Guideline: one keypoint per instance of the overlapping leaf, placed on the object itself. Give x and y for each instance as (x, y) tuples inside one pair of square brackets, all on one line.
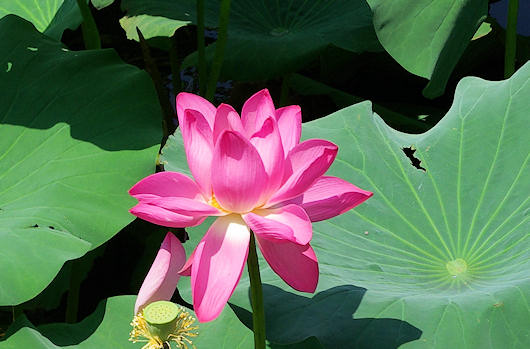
[(69, 151), (99, 4), (50, 17), (109, 326), (427, 37), (269, 39), (443, 249)]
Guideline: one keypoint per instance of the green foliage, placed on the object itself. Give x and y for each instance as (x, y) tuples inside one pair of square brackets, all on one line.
[(440, 250), (305, 86), (427, 37), (108, 328), (267, 40), (99, 4), (150, 26), (437, 258), (50, 17), (70, 149)]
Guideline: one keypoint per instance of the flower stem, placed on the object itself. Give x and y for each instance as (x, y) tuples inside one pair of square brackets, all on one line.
[(511, 38), (162, 93), (175, 62), (200, 47), (222, 34), (256, 296), (88, 27)]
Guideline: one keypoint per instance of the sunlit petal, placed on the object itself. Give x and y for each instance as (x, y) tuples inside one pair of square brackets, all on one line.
[(239, 178), (289, 222), (296, 264), (305, 163), (329, 197), (290, 125), (217, 265), (161, 280)]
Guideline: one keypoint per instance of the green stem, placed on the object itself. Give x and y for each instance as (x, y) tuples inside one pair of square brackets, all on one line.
[(256, 296), (220, 46), (175, 62), (200, 47), (284, 93), (511, 38), (161, 91), (88, 27)]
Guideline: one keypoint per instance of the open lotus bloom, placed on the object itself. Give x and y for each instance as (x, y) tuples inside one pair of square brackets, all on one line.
[(161, 280), (251, 172)]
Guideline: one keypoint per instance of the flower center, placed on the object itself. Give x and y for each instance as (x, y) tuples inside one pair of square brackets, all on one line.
[(214, 203)]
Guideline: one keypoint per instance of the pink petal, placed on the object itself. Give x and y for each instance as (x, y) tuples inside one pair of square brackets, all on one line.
[(296, 264), (167, 184), (290, 124), (186, 268), (184, 206), (226, 118), (239, 176), (288, 222), (217, 265), (255, 110), (198, 143), (190, 101), (161, 280), (304, 164), (163, 217), (268, 143), (329, 197)]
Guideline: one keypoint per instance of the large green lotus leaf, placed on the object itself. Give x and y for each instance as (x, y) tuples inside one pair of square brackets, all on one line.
[(77, 130), (427, 37), (50, 17), (269, 39), (109, 326), (442, 250)]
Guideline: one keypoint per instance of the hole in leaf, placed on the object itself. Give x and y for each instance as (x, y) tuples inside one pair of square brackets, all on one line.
[(34, 226), (409, 152), (51, 227)]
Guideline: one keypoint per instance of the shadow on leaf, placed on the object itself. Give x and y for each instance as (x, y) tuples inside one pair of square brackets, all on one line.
[(329, 317), (86, 95)]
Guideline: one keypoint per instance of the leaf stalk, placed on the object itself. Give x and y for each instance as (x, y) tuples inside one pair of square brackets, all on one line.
[(256, 295), (220, 46), (511, 39), (88, 27)]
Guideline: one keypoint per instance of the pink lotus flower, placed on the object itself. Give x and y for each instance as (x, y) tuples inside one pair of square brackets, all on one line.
[(161, 280), (253, 173)]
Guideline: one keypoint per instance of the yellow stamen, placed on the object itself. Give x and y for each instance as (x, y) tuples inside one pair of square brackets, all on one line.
[(181, 334), (215, 204)]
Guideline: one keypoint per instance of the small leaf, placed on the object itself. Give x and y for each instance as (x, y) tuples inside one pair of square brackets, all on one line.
[(99, 4), (150, 26), (427, 37)]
